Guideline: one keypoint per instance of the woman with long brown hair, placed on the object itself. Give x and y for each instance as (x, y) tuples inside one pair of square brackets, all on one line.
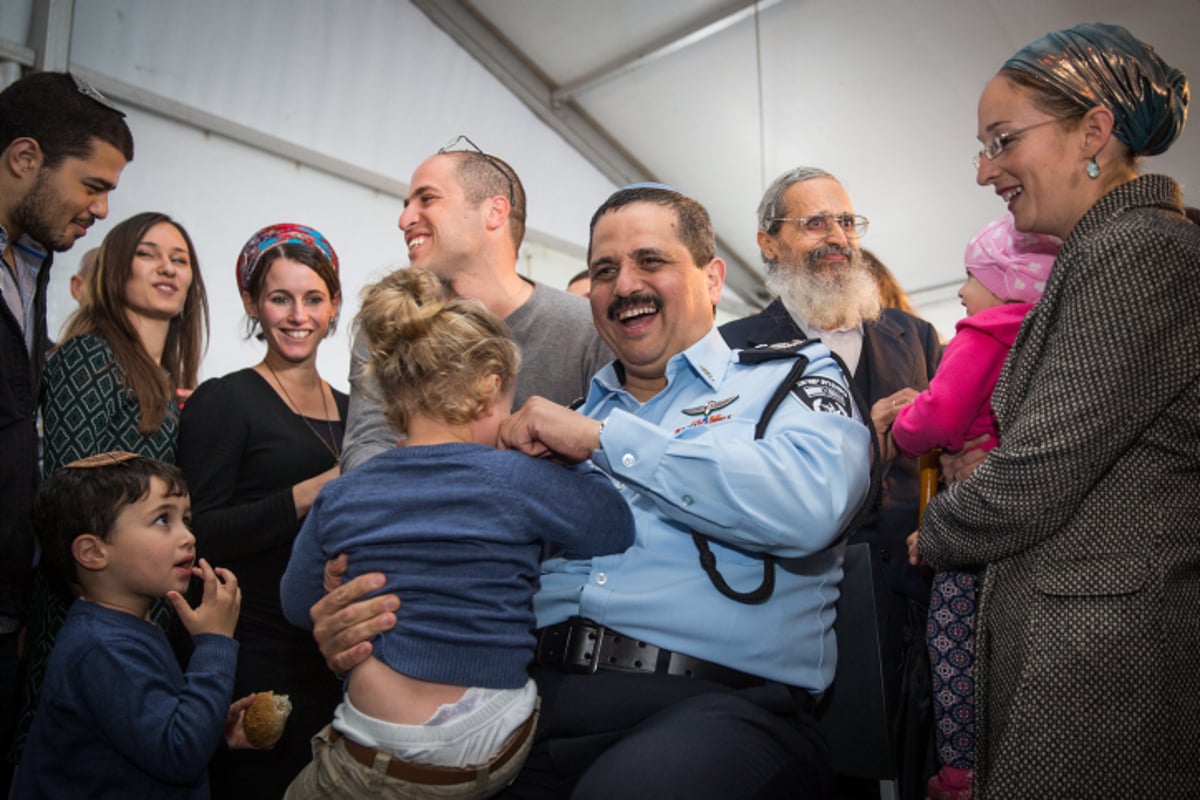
[(111, 384)]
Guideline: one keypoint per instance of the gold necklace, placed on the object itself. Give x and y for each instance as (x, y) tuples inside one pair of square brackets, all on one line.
[(333, 449)]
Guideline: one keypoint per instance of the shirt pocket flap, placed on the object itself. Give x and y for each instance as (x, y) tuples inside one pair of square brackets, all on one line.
[(1093, 577)]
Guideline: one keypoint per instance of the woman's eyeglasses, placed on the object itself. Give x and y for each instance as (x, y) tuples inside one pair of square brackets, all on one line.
[(1002, 140)]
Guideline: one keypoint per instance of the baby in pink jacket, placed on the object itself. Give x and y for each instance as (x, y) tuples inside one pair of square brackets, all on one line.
[(1006, 275)]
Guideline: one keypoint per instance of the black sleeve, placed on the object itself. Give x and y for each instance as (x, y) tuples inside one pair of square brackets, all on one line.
[(215, 433)]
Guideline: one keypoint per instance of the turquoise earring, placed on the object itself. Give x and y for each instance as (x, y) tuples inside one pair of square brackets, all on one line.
[(1093, 169)]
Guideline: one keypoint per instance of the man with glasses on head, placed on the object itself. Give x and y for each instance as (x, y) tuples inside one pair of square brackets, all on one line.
[(62, 150), (809, 238), (463, 220)]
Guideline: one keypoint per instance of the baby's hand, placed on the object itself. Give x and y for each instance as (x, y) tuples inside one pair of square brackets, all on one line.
[(335, 572), (914, 555), (219, 607), (235, 735)]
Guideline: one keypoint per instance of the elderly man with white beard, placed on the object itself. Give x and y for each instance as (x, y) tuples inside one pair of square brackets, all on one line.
[(809, 238)]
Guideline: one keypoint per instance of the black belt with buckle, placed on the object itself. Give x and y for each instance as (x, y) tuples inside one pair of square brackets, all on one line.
[(583, 646)]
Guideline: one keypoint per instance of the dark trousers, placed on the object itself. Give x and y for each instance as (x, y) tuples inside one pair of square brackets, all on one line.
[(9, 682), (617, 735), (912, 717)]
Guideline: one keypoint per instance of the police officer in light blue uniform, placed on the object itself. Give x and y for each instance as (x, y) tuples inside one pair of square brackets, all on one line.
[(687, 460), (686, 666)]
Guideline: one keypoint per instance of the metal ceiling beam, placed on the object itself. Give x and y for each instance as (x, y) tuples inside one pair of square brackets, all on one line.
[(17, 54), (50, 34), (202, 120), (485, 45), (667, 45), (479, 40), (168, 108)]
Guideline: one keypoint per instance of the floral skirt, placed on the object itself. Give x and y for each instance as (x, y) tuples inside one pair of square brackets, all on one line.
[(950, 633)]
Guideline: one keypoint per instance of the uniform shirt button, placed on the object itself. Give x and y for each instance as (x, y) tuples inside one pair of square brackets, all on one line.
[(628, 460), (687, 500), (601, 578)]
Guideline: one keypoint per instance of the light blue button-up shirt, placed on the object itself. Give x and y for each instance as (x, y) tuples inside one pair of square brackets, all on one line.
[(687, 459), (18, 289)]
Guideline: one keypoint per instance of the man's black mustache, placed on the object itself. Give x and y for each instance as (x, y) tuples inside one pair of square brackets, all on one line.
[(632, 301)]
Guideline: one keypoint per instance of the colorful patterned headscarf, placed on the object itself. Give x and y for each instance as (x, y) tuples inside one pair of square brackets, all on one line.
[(1105, 65), (1011, 264), (272, 235)]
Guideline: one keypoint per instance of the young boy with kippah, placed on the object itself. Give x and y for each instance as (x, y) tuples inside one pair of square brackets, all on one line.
[(117, 716)]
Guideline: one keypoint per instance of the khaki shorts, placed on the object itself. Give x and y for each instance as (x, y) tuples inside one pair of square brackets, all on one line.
[(334, 773)]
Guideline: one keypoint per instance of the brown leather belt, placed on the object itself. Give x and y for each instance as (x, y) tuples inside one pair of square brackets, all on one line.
[(432, 775), (583, 646)]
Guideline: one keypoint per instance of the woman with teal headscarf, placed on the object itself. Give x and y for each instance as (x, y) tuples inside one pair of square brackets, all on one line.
[(1085, 521)]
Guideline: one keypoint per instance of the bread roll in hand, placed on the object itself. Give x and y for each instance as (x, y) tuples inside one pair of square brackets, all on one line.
[(265, 718)]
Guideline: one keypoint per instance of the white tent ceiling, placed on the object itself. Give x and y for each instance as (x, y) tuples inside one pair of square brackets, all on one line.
[(246, 111), (718, 97)]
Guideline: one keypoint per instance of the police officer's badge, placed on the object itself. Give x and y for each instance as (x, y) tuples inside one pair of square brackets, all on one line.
[(707, 413), (823, 394), (709, 407)]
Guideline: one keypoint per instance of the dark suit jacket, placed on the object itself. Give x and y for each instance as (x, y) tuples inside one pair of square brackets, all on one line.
[(899, 350), (20, 376)]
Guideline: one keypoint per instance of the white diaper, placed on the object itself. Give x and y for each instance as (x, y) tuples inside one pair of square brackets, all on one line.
[(460, 734)]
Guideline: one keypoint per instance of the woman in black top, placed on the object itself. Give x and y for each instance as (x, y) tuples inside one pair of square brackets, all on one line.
[(257, 446)]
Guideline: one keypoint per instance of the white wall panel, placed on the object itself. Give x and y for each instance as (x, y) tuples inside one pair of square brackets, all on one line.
[(14, 19), (371, 82), (203, 182), (885, 98), (222, 192)]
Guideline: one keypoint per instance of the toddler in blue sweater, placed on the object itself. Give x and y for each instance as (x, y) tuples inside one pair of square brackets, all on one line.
[(117, 717), (444, 706)]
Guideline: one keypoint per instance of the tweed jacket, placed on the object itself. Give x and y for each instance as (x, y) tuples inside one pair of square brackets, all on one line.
[(1086, 520)]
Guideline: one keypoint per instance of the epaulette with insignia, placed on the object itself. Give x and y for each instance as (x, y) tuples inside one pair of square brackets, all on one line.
[(778, 351)]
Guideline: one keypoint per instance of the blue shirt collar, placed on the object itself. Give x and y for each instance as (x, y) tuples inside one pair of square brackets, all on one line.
[(708, 359), (26, 245)]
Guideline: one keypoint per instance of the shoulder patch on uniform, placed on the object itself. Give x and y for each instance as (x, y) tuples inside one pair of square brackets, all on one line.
[(823, 394)]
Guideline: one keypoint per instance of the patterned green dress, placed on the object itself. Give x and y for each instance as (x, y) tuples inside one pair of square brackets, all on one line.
[(86, 409)]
